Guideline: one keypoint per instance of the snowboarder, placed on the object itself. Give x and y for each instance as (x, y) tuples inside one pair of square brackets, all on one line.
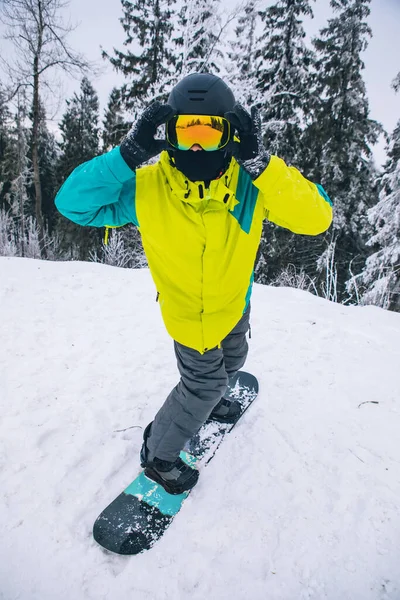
[(199, 210)]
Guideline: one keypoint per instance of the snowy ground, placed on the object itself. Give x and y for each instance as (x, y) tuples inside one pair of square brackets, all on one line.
[(301, 502)]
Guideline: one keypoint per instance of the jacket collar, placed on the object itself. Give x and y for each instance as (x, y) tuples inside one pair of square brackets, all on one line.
[(196, 192)]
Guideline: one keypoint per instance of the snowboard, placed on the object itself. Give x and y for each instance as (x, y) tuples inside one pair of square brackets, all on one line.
[(140, 515)]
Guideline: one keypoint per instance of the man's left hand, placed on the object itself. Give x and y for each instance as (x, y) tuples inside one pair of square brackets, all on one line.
[(249, 151)]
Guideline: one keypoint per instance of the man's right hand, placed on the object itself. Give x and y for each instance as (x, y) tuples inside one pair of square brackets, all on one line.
[(139, 144)]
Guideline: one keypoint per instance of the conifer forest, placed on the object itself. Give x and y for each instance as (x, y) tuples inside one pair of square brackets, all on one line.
[(315, 113)]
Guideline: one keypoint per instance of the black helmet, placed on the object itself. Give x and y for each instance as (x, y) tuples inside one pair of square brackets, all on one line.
[(201, 94)]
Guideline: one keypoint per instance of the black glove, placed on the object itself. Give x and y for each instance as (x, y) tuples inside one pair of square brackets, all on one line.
[(249, 152), (139, 144)]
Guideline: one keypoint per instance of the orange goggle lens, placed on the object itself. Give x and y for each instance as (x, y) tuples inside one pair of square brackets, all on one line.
[(211, 133)]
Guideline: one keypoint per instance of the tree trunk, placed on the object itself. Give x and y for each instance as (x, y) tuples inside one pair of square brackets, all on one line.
[(21, 157), (35, 159), (35, 131)]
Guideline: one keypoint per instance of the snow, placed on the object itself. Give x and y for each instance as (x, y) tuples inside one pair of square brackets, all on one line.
[(300, 502)]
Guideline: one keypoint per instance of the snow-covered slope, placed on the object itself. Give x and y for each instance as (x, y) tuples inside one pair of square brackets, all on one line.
[(302, 500)]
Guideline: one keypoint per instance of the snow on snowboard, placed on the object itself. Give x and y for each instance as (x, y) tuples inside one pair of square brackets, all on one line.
[(139, 516)]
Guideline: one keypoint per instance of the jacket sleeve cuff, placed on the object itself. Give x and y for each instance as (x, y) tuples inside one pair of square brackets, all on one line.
[(270, 176), (118, 166)]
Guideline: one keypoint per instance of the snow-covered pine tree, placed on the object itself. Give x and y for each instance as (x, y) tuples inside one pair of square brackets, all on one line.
[(148, 62), (7, 152), (79, 130), (80, 142), (340, 135), (380, 279), (18, 167), (283, 75), (283, 64), (241, 65), (114, 124), (199, 38), (48, 157)]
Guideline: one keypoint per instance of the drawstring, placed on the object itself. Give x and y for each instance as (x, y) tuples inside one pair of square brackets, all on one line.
[(106, 235)]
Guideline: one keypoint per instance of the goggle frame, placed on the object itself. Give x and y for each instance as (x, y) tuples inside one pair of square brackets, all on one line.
[(172, 135)]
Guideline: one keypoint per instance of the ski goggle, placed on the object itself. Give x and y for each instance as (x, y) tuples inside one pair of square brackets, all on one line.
[(211, 133)]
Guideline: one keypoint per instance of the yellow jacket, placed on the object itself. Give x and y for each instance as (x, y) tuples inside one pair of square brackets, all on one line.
[(200, 243)]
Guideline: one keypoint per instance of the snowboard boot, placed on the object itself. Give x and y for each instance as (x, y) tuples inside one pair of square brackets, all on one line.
[(226, 411), (175, 477)]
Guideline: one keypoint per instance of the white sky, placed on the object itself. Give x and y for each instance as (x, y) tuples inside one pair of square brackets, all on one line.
[(99, 26)]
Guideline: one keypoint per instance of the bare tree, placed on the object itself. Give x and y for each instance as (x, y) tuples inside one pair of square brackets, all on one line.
[(39, 37)]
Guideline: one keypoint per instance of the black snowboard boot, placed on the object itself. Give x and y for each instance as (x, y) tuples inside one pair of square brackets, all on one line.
[(226, 411), (175, 477)]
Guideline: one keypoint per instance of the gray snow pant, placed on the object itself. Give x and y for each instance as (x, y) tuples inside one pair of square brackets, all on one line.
[(204, 380)]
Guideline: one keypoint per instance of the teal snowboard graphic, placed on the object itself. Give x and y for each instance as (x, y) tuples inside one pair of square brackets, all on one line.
[(139, 516)]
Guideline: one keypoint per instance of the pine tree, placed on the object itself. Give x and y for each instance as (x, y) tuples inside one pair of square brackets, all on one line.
[(241, 68), (114, 124), (79, 130), (283, 75), (7, 154), (150, 67), (381, 275), (18, 175), (283, 64), (200, 30), (80, 143), (47, 157), (340, 135)]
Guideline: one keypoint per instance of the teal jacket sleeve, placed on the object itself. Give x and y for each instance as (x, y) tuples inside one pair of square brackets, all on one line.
[(100, 192)]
